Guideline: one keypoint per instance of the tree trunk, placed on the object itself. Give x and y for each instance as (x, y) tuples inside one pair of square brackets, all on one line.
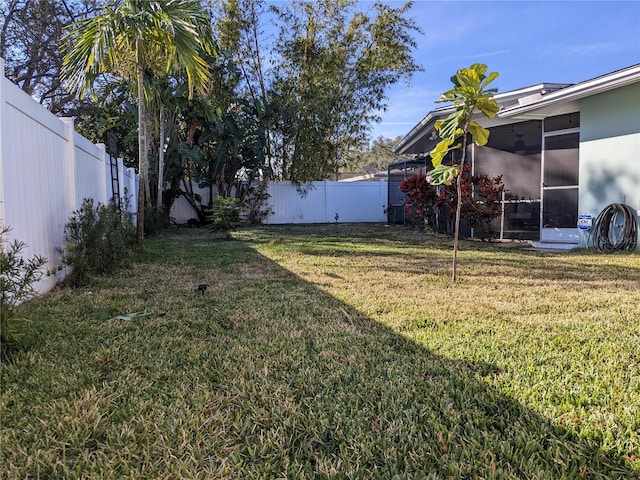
[(266, 142), (142, 155), (159, 205), (456, 234)]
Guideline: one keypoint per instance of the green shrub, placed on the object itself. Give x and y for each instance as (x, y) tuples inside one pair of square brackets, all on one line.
[(98, 240), (153, 220), (225, 214), (17, 277)]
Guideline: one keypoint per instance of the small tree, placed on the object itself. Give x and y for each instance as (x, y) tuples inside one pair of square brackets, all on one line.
[(468, 96), (423, 199), (225, 215)]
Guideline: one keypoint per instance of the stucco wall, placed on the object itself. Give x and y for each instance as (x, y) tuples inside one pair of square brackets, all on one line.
[(610, 151)]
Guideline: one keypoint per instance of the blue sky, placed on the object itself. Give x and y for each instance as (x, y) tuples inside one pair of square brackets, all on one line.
[(526, 42)]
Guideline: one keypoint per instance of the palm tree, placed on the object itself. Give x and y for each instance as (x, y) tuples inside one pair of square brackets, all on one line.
[(133, 37)]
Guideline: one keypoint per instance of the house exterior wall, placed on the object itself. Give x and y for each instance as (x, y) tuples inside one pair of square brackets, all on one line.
[(610, 151)]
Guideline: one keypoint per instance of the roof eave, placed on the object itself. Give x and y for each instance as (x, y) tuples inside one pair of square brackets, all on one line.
[(575, 92), (415, 133), (423, 126)]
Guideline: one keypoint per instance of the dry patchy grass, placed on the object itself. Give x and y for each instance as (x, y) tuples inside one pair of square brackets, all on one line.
[(316, 355)]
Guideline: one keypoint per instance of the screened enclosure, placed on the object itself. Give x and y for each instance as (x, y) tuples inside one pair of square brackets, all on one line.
[(514, 152), (397, 200)]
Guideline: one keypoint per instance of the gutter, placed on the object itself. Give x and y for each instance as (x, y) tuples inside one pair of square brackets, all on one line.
[(577, 91)]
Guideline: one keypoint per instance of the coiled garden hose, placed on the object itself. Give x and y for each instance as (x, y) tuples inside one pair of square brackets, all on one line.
[(614, 229)]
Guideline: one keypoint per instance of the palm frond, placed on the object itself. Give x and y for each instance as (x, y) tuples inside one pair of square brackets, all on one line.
[(169, 35)]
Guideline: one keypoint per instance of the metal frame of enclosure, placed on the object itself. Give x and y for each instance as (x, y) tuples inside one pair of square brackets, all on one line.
[(396, 200), (514, 151)]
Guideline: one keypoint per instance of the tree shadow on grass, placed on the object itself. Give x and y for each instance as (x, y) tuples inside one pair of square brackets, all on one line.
[(270, 377), (583, 266), (365, 402), (326, 391)]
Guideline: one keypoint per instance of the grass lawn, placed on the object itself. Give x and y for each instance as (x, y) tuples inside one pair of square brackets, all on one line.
[(316, 355)]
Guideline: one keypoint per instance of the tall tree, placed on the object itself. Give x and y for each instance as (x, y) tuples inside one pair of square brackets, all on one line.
[(113, 110), (129, 38), (372, 157), (240, 34), (30, 39), (334, 65)]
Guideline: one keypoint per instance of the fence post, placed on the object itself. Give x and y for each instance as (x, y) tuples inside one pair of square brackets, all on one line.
[(132, 189), (326, 216), (502, 219), (103, 174), (123, 186), (70, 165), (2, 107)]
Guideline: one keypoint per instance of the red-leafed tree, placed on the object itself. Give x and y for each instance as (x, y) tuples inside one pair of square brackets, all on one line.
[(481, 200), (422, 199)]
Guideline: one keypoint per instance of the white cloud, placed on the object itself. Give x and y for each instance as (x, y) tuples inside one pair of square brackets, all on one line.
[(587, 49), (474, 56)]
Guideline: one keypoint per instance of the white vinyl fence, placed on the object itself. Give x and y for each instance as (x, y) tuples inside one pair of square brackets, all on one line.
[(351, 201), (46, 170)]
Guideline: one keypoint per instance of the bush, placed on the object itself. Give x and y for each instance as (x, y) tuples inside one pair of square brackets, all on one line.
[(225, 214), (17, 277), (481, 200), (424, 200), (153, 220), (98, 240)]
